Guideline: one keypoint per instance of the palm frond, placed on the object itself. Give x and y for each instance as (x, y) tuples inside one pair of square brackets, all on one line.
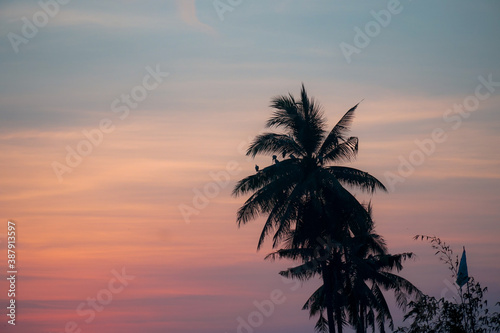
[(345, 151), (338, 132), (321, 325), (288, 169), (272, 143), (316, 302), (383, 310), (301, 272), (292, 254), (264, 200), (286, 114), (275, 216), (356, 178)]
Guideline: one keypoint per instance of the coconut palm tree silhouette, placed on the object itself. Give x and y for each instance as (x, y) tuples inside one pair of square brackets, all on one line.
[(361, 271), (303, 195)]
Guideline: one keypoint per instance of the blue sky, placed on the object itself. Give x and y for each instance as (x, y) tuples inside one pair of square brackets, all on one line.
[(222, 75)]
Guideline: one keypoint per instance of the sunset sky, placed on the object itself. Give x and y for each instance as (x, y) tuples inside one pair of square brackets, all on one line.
[(172, 92)]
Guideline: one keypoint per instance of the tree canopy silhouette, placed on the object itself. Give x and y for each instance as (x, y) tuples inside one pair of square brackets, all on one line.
[(305, 199), (295, 191)]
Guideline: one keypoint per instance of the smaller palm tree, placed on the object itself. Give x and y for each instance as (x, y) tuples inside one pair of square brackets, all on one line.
[(360, 268)]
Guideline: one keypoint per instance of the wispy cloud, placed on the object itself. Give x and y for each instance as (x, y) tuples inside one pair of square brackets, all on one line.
[(187, 11)]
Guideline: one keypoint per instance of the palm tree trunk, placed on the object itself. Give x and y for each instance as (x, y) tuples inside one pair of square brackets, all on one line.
[(327, 282), (361, 320), (337, 307), (338, 314)]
